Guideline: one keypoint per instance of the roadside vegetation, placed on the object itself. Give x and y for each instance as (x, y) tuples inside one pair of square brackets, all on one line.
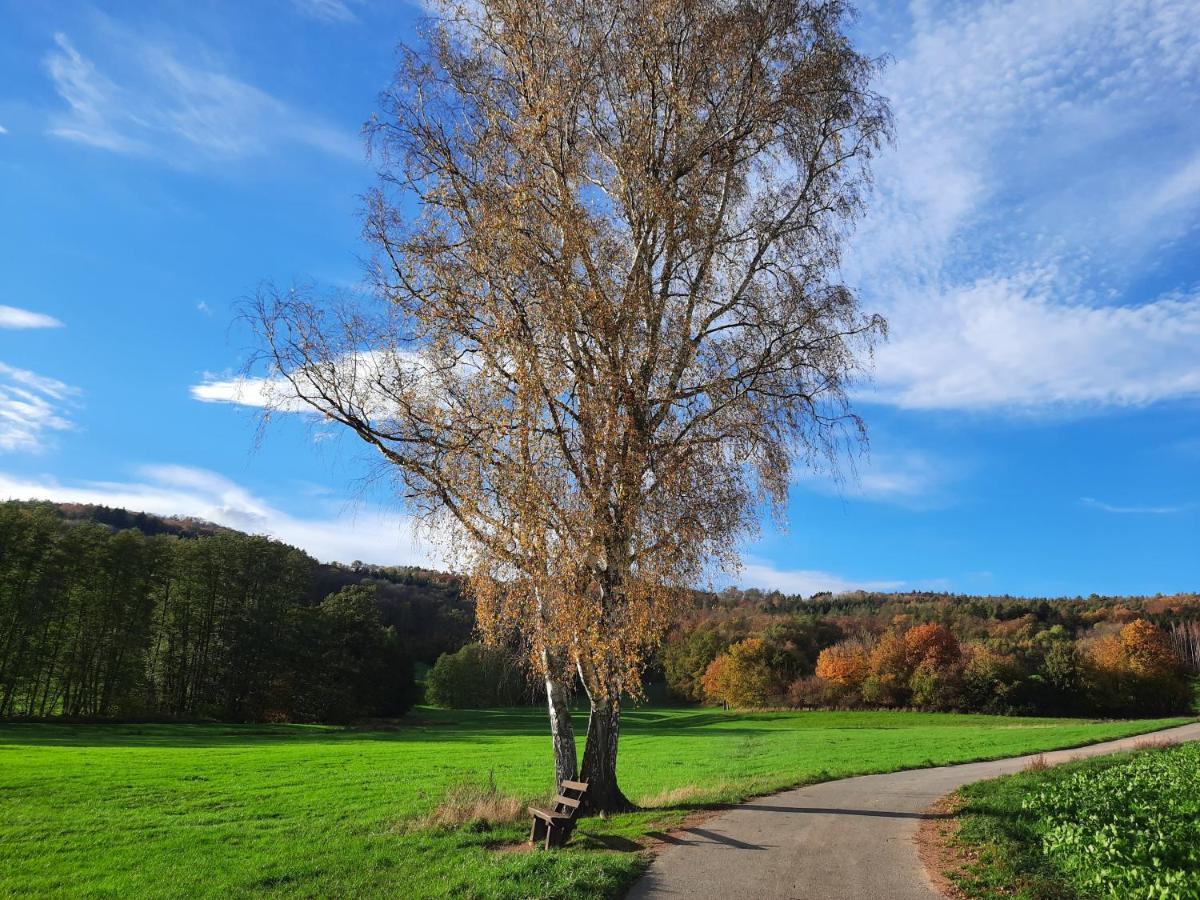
[(433, 807), (1125, 826)]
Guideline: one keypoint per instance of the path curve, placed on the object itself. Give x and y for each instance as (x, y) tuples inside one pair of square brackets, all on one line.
[(852, 839)]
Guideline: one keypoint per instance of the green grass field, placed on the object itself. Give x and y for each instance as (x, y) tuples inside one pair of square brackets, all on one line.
[(1123, 826), (212, 810)]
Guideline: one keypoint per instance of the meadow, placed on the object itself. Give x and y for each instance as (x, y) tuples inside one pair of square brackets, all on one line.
[(1123, 826), (212, 810)]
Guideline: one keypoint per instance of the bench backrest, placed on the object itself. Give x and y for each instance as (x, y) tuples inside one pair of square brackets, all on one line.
[(569, 797)]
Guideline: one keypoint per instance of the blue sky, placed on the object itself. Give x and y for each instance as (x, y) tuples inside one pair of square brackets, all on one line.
[(1033, 241)]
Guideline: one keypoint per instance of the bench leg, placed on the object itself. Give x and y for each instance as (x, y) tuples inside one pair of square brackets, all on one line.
[(539, 828), (551, 835)]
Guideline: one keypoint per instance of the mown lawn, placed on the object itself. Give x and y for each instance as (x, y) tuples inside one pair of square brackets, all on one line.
[(1124, 826), (218, 810)]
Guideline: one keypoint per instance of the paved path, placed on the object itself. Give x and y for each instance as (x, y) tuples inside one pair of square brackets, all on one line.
[(843, 840)]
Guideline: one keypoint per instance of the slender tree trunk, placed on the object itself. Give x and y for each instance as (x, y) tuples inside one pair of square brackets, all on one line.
[(562, 731), (599, 768)]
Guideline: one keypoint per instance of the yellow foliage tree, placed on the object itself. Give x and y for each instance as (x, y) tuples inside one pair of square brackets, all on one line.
[(741, 676), (610, 315)]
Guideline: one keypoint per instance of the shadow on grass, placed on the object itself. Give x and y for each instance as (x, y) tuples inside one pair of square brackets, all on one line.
[(421, 726), (588, 841)]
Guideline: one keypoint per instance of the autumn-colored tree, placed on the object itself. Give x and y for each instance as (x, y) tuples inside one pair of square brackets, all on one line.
[(890, 671), (610, 319), (686, 658), (932, 644), (713, 681), (1137, 671), (846, 664), (741, 676), (1148, 650)]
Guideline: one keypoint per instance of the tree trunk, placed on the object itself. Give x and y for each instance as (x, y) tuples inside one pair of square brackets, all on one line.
[(600, 759), (562, 731)]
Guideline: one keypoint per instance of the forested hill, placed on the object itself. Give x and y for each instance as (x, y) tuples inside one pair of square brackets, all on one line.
[(106, 612), (119, 519), (425, 606), (112, 613)]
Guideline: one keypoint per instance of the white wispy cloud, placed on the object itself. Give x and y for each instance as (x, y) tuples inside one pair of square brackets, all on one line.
[(142, 98), (903, 477), (32, 408), (240, 390), (1046, 156), (366, 533), (767, 576), (367, 370), (326, 10), (3, 130), (1134, 510), (1016, 342), (14, 317)]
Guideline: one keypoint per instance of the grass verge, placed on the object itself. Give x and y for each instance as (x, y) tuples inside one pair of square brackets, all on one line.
[(1125, 826)]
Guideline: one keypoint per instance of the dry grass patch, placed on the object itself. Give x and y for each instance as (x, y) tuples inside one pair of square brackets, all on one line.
[(1037, 764), (1155, 744), (470, 802), (688, 795)]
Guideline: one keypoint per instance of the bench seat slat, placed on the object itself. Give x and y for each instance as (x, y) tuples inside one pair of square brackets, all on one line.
[(548, 816)]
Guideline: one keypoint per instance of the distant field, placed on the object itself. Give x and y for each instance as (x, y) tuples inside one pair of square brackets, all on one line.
[(216, 810)]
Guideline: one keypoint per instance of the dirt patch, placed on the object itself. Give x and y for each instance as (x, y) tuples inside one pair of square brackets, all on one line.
[(938, 850)]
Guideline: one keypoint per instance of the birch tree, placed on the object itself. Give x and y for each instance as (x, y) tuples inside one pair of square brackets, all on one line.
[(608, 317)]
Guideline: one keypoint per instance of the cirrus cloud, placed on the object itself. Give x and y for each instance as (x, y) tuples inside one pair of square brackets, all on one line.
[(144, 99), (1047, 164), (15, 317), (32, 407)]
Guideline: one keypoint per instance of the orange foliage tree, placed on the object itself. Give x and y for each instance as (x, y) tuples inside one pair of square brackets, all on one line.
[(932, 644), (846, 664)]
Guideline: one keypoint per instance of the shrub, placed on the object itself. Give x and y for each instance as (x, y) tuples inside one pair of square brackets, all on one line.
[(475, 677), (934, 688), (816, 692)]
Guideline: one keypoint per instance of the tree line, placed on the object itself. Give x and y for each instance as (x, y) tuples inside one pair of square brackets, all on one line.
[(1101, 656), (101, 623)]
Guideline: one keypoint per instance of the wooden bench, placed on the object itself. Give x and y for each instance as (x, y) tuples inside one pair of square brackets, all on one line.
[(556, 825)]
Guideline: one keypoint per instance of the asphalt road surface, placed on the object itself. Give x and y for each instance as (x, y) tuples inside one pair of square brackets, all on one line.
[(851, 839)]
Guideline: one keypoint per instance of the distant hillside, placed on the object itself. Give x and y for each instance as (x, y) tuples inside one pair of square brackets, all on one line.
[(119, 519), (425, 607)]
